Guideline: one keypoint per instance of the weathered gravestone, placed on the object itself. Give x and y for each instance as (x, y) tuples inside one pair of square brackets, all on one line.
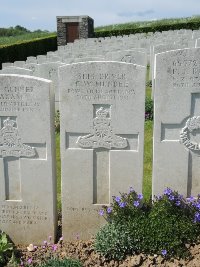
[(33, 67), (27, 159), (50, 71), (176, 161), (16, 70), (135, 56), (102, 132)]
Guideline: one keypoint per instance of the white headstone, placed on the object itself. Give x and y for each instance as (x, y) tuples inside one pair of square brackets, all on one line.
[(33, 67), (50, 71), (41, 59), (16, 70), (6, 64), (176, 161), (19, 64), (31, 60), (129, 56), (27, 159), (102, 132)]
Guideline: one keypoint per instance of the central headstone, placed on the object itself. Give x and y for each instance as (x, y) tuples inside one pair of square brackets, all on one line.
[(102, 131)]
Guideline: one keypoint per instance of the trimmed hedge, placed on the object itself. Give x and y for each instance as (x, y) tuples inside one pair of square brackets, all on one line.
[(22, 50), (192, 25)]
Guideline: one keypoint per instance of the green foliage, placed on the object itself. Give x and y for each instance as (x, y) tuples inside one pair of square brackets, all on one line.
[(58, 171), (148, 26), (10, 40), (13, 31), (163, 226), (61, 263), (20, 51), (57, 121), (148, 108), (6, 248), (113, 240), (148, 155)]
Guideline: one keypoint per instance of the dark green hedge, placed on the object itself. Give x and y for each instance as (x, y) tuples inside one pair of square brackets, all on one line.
[(20, 51), (193, 25)]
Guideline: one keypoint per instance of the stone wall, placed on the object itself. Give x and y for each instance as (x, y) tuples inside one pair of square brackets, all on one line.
[(61, 32), (86, 27)]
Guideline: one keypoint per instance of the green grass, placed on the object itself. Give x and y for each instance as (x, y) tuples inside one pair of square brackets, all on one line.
[(23, 37), (139, 24), (58, 171), (148, 150)]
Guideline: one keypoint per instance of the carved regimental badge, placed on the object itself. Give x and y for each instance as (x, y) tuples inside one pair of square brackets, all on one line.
[(10, 142), (102, 135), (192, 124)]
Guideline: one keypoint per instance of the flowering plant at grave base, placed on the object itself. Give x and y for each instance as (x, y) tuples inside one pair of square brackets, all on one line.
[(124, 205), (163, 226)]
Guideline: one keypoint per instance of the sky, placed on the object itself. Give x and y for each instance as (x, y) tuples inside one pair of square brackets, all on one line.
[(41, 14)]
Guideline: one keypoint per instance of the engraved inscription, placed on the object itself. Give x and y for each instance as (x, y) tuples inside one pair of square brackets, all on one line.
[(102, 135), (10, 142), (185, 73), (52, 73), (191, 125), (101, 86), (22, 214), (19, 99)]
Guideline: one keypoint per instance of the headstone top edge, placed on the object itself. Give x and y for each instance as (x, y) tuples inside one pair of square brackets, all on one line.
[(27, 76)]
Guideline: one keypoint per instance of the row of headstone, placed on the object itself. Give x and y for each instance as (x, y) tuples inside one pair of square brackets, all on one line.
[(101, 46), (102, 133), (102, 139), (49, 70), (48, 65)]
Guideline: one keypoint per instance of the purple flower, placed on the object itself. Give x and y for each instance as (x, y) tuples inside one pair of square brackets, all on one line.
[(178, 203), (131, 189), (197, 205), (118, 199), (164, 252), (171, 197), (190, 199), (45, 242), (136, 203), (109, 210), (197, 217), (50, 237), (29, 261), (140, 196), (122, 204), (180, 196), (21, 263), (159, 197), (101, 212), (167, 191), (54, 247)]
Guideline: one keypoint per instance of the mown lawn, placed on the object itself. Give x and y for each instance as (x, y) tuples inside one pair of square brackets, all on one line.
[(23, 37)]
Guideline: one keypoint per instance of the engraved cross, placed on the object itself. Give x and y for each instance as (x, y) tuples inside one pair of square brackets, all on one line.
[(187, 132), (102, 140)]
